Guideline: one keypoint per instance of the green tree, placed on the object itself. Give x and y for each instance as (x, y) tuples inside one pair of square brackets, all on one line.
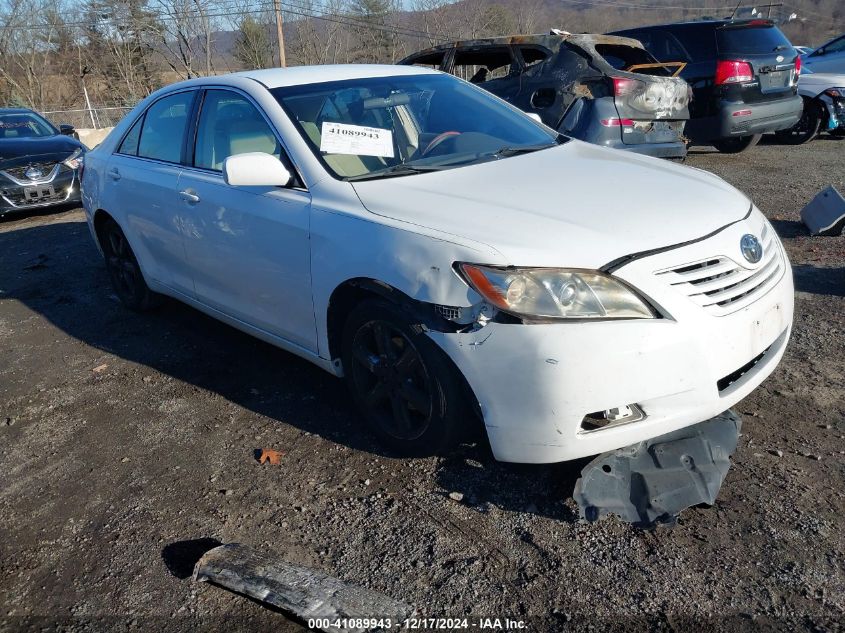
[(252, 44)]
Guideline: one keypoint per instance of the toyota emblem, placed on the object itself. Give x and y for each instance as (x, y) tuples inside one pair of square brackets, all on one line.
[(751, 248)]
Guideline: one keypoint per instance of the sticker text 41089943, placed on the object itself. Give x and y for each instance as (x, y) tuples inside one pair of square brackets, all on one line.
[(340, 138)]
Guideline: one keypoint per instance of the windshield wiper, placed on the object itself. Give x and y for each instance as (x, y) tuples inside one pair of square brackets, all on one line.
[(402, 169), (521, 149)]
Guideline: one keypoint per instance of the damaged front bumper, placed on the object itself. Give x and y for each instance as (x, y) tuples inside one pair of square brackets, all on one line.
[(539, 386), (653, 481)]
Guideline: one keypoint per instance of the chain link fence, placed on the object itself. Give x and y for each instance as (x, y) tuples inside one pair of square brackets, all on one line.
[(94, 117)]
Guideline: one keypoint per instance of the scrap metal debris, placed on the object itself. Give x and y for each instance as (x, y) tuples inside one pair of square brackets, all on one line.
[(304, 592), (825, 214), (653, 481), (269, 455)]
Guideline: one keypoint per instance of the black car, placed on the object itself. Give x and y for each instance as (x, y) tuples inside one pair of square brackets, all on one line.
[(597, 88), (39, 163), (743, 73)]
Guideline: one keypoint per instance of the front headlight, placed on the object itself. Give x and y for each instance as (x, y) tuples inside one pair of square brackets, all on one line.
[(836, 93), (556, 293), (74, 160)]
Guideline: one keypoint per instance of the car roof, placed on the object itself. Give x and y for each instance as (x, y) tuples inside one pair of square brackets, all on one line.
[(691, 23), (15, 110), (582, 40), (303, 75)]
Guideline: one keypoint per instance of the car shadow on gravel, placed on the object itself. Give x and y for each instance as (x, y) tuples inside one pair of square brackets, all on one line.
[(820, 280), (56, 271), (481, 482)]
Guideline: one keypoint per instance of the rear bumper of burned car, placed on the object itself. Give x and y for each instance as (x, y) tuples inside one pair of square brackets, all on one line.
[(58, 189)]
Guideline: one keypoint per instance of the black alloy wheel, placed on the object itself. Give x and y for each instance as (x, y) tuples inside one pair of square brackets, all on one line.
[(403, 384), (737, 144), (124, 271), (806, 129)]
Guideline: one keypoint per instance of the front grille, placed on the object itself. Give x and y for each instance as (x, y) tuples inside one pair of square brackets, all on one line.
[(19, 172), (721, 286), (449, 313)]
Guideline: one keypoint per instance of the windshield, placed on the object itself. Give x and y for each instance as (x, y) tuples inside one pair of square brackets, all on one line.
[(393, 126), (24, 125)]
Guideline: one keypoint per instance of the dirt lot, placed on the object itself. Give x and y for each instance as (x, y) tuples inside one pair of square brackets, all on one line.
[(123, 435)]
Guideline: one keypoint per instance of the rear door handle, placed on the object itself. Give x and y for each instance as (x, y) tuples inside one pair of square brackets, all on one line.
[(115, 175), (189, 197)]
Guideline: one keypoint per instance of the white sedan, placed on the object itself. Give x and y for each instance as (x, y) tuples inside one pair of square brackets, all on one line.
[(447, 255)]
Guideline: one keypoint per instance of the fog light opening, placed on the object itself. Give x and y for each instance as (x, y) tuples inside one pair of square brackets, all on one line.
[(615, 416)]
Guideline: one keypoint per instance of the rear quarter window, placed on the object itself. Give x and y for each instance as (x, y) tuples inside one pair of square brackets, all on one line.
[(751, 40)]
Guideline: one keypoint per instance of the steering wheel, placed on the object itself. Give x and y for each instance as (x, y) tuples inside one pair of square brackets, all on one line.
[(437, 140)]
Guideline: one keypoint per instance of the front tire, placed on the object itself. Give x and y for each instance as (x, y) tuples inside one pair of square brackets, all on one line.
[(124, 271), (737, 144), (406, 389), (807, 127)]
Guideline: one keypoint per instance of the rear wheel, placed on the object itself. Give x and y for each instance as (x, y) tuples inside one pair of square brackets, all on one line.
[(807, 127), (124, 271), (737, 144), (406, 389)]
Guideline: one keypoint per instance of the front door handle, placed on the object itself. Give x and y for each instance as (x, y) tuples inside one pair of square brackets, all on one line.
[(115, 175), (190, 198)]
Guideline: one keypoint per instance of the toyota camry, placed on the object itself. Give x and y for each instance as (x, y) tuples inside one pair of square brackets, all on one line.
[(447, 255)]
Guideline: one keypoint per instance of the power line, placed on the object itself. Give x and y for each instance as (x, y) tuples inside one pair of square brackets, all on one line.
[(229, 11)]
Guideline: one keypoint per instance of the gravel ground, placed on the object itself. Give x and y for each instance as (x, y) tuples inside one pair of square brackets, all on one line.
[(123, 436)]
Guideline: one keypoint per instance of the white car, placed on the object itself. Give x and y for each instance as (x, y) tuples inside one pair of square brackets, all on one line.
[(446, 254), (824, 108)]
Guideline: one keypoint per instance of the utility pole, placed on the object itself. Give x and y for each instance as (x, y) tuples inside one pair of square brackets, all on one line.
[(280, 36)]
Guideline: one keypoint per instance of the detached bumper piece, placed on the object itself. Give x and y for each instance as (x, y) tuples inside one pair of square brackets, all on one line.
[(825, 214), (306, 593), (653, 481)]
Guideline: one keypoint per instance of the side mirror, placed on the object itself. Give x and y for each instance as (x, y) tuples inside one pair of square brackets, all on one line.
[(535, 116), (68, 130), (255, 169)]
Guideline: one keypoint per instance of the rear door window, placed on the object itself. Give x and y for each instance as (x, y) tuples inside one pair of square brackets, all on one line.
[(163, 131), (485, 64), (751, 40), (129, 146), (533, 55)]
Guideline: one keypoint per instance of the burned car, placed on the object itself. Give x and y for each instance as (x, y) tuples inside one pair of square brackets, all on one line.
[(602, 89)]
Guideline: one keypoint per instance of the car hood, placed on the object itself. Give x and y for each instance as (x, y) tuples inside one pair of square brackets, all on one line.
[(576, 205), (16, 151)]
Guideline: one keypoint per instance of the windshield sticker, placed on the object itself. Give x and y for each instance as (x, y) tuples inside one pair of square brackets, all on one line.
[(340, 138)]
